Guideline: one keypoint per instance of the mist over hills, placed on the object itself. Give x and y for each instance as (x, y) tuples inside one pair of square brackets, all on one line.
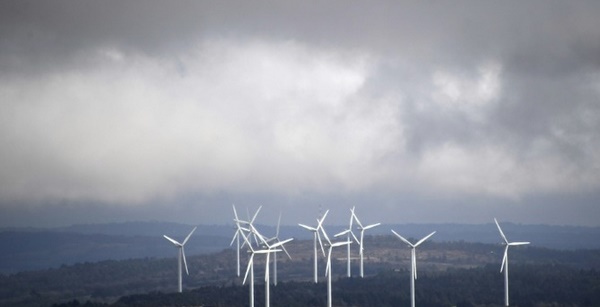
[(23, 249)]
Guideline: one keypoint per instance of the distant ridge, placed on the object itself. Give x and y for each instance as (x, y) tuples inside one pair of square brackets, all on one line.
[(23, 249)]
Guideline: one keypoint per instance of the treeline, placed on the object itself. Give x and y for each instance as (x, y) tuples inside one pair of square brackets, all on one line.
[(107, 281), (531, 285)]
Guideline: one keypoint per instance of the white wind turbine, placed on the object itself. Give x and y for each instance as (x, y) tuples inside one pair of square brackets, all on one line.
[(251, 229), (413, 269), (361, 242), (238, 232), (276, 238), (181, 255), (271, 249), (348, 232), (250, 268), (505, 260), (329, 268), (316, 236)]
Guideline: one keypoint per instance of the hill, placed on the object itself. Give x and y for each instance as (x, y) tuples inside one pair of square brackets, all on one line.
[(107, 281), (23, 249)]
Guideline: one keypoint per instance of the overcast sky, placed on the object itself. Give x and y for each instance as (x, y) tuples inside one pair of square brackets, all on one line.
[(424, 111)]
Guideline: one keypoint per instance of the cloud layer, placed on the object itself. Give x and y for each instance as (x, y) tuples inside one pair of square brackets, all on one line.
[(129, 104)]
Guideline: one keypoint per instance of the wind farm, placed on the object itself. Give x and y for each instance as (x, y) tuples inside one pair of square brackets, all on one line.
[(124, 125), (448, 271), (248, 236)]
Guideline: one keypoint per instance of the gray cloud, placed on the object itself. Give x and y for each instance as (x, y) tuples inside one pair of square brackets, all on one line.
[(470, 104)]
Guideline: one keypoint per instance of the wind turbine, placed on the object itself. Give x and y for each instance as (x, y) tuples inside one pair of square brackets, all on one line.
[(272, 249), (276, 238), (362, 235), (316, 236), (505, 260), (238, 232), (181, 255), (348, 232), (250, 268), (328, 268), (251, 229), (413, 268)]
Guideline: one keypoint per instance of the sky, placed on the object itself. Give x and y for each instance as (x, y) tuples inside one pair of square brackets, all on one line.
[(412, 111)]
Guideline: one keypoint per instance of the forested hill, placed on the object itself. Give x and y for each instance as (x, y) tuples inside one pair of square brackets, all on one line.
[(533, 285), (23, 249), (449, 272)]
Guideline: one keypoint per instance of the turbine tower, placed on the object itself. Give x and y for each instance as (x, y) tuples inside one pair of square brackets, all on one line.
[(361, 243), (505, 260), (413, 268), (238, 232), (348, 232), (328, 268), (250, 269), (271, 249), (181, 255), (276, 238), (316, 236)]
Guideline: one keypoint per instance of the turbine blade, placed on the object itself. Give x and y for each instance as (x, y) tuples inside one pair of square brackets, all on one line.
[(336, 244), (320, 243), (423, 240), (247, 241), (356, 239), (280, 243), (504, 259), (255, 214), (324, 216), (278, 224), (172, 241), (238, 221), (342, 233), (237, 233), (257, 235), (189, 235), (356, 219), (250, 263), (371, 226), (500, 229), (266, 251), (184, 262), (286, 252), (403, 239), (518, 243), (307, 227), (325, 235), (234, 212)]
